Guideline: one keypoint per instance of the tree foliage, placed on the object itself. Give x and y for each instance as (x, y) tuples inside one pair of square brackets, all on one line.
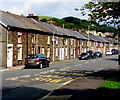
[(108, 12)]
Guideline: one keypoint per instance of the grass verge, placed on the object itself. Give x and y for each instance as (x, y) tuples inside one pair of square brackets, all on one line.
[(110, 90)]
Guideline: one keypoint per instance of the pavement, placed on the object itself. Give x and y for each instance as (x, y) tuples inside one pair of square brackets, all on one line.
[(80, 89)]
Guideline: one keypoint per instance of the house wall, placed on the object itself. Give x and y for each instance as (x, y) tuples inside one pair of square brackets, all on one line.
[(3, 47), (39, 42), (13, 39)]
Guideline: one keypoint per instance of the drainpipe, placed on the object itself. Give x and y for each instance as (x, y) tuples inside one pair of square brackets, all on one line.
[(7, 44), (53, 40), (27, 44)]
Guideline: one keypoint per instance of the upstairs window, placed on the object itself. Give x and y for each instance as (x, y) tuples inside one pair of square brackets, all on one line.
[(33, 38), (19, 37), (48, 40), (56, 38), (66, 42), (71, 41)]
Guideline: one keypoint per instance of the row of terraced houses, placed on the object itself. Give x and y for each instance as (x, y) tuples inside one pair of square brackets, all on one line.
[(21, 36)]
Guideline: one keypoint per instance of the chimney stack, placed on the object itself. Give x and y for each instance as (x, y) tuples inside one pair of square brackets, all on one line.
[(33, 16), (30, 14)]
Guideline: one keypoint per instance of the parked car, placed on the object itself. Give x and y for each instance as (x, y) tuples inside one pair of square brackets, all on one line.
[(98, 54), (36, 60), (108, 52), (92, 54), (84, 56), (115, 51)]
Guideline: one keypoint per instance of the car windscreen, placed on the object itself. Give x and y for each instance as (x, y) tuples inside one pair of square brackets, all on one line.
[(83, 54), (31, 56)]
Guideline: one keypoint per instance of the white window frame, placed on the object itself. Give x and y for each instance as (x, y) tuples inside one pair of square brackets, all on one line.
[(56, 38), (71, 41), (19, 52), (48, 52), (66, 51), (48, 40), (66, 42), (19, 37), (71, 51), (33, 37), (43, 50), (56, 52)]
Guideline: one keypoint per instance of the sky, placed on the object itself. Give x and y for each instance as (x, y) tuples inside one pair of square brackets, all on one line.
[(52, 8)]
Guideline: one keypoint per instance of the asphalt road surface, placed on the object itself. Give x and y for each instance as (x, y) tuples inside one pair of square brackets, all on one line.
[(31, 84)]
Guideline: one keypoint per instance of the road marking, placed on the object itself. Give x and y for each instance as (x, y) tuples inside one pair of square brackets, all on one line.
[(86, 62), (2, 70), (55, 78), (62, 69), (15, 78), (77, 65), (67, 82), (25, 76), (47, 71), (93, 61)]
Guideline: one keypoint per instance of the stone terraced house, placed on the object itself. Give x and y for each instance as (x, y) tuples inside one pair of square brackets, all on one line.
[(21, 36)]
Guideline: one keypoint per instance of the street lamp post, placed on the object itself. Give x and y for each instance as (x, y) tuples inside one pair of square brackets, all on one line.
[(89, 37), (53, 40)]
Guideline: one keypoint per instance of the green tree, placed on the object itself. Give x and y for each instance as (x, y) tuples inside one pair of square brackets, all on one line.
[(44, 20), (102, 11), (107, 12)]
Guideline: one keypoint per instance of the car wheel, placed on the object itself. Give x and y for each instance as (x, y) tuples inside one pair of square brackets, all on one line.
[(48, 65), (25, 67), (41, 66)]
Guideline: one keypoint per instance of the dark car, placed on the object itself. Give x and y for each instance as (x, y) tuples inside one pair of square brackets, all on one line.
[(115, 51), (84, 56), (36, 61), (92, 54), (98, 54)]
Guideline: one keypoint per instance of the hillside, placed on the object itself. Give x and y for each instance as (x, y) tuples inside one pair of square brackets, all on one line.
[(76, 23), (45, 17)]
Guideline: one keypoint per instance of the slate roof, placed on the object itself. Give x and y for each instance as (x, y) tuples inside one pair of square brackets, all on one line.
[(62, 31), (90, 38), (104, 39), (15, 21), (12, 20), (111, 40)]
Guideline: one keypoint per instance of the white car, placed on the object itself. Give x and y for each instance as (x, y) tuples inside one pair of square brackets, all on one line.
[(109, 52)]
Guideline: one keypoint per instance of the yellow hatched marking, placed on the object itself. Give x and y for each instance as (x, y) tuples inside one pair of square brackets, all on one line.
[(47, 76), (88, 72), (56, 80), (36, 74), (47, 80), (15, 78), (23, 80), (66, 82)]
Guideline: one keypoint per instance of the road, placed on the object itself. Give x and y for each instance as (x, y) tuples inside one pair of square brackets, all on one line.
[(30, 84)]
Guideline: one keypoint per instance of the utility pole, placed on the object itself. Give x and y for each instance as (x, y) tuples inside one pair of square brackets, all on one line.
[(89, 37)]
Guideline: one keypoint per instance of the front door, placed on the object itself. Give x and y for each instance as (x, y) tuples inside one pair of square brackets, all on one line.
[(10, 55), (62, 53)]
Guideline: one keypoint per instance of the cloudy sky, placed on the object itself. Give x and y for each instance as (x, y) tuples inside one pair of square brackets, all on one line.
[(53, 8)]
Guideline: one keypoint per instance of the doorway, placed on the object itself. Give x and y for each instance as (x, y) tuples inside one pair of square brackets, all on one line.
[(9, 55)]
